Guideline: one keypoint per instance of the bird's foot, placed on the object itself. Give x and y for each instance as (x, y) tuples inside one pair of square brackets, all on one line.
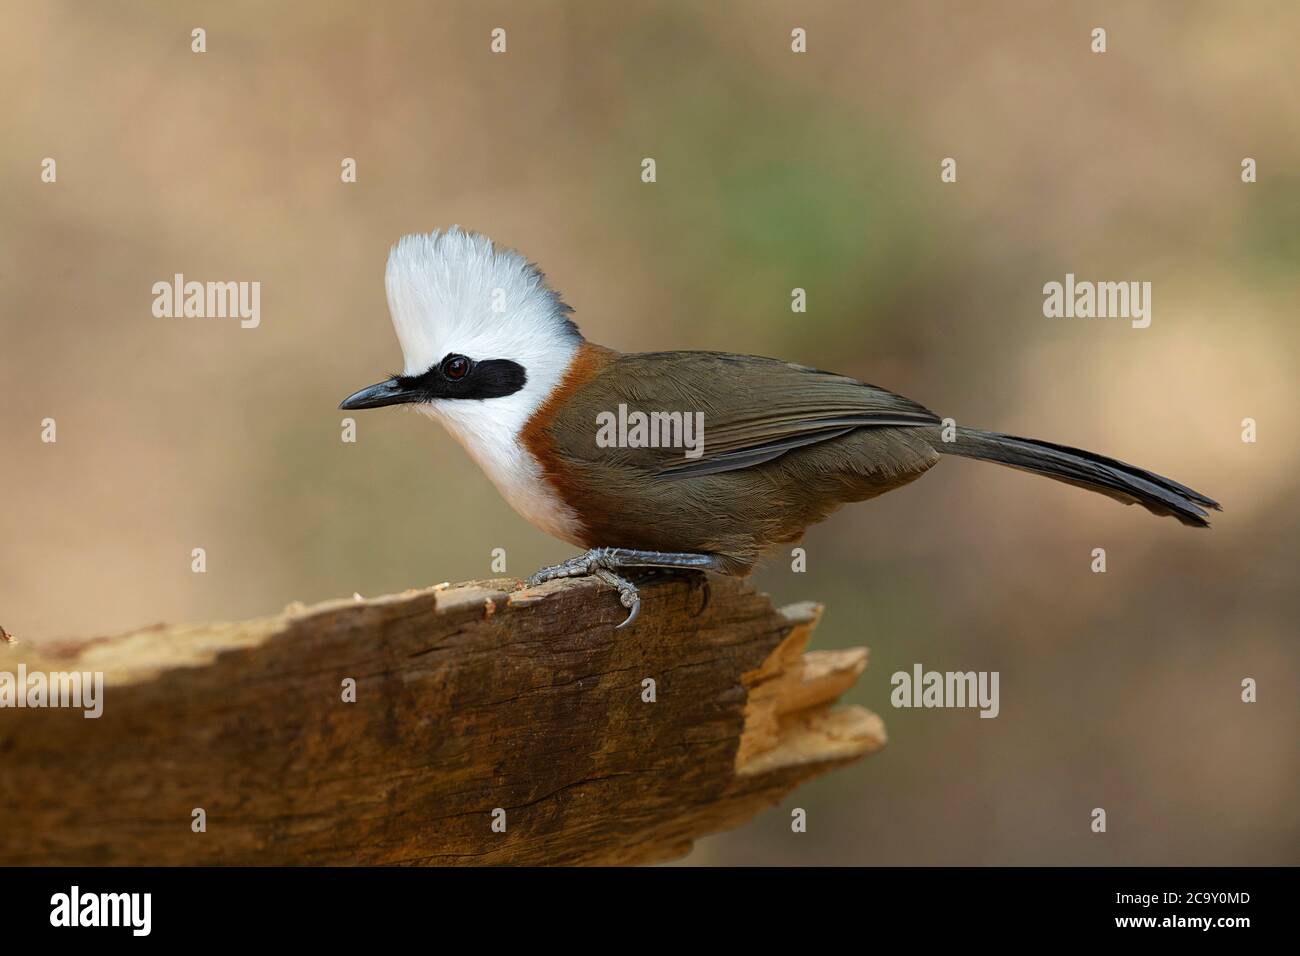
[(598, 563), (578, 567), (604, 563), (628, 595)]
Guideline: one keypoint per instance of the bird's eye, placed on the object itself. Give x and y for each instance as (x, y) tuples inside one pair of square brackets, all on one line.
[(455, 367)]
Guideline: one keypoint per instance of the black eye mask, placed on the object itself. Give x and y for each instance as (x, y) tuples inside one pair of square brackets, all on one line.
[(489, 378)]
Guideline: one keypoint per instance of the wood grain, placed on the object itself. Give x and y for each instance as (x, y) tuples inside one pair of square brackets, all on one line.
[(469, 698)]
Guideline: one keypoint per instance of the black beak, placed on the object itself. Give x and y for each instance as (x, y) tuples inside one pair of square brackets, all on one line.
[(391, 392)]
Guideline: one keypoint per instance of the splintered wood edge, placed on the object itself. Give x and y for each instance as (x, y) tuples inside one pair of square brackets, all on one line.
[(138, 656), (789, 720)]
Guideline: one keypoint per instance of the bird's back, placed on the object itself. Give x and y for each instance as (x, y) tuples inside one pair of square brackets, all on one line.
[(734, 454)]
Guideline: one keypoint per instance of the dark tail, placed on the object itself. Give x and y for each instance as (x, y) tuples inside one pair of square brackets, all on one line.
[(1098, 473)]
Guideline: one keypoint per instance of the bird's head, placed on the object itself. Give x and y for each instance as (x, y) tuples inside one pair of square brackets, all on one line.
[(485, 340)]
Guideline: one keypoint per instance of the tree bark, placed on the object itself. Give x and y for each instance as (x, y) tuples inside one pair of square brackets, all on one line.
[(475, 704)]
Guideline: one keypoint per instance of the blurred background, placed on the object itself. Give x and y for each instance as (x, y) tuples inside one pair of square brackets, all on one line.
[(775, 170)]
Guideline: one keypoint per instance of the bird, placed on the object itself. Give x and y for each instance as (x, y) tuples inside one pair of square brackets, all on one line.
[(691, 460)]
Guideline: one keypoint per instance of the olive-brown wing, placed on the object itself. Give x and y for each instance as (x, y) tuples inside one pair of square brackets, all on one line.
[(752, 410)]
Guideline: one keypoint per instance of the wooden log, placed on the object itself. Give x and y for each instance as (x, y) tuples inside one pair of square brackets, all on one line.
[(474, 703)]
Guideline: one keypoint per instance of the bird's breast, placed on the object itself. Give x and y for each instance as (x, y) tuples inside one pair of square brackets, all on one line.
[(517, 474)]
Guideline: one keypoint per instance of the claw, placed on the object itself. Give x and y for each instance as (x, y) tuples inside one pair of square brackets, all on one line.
[(635, 605), (627, 593)]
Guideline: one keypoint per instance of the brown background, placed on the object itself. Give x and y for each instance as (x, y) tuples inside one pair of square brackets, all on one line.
[(775, 170)]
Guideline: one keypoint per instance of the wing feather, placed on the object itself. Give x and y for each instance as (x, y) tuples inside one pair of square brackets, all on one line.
[(755, 409)]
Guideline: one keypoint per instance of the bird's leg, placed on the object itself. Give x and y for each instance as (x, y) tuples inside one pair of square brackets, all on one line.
[(602, 563), (613, 558)]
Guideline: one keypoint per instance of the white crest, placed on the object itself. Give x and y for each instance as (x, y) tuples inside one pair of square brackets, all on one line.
[(454, 292)]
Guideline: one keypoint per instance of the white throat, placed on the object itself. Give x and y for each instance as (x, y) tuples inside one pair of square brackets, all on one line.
[(491, 431)]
